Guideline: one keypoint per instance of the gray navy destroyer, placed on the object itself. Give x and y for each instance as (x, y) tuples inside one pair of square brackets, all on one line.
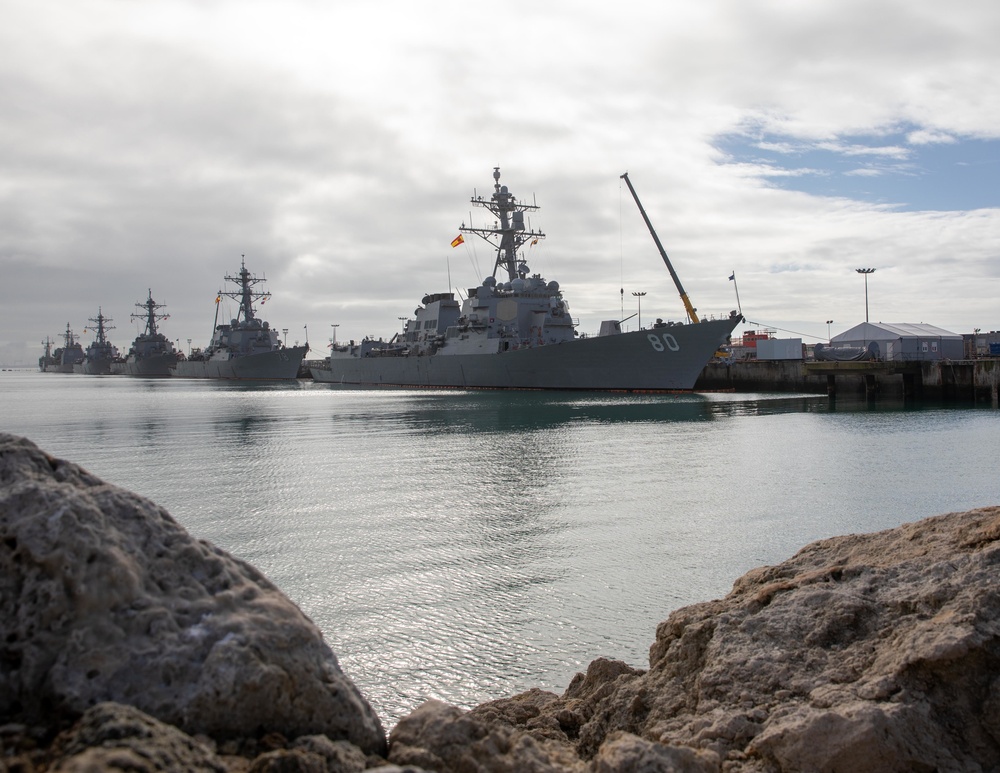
[(64, 358), (514, 331), (247, 347), (47, 360), (152, 353), (101, 355)]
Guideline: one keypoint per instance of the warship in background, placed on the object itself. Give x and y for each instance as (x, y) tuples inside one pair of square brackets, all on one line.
[(67, 356), (100, 354), (46, 359), (514, 331), (152, 353), (247, 347)]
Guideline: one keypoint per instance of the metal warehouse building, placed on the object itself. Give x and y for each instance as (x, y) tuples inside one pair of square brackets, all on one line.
[(904, 342)]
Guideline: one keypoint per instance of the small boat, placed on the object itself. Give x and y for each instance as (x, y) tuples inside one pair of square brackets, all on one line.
[(515, 331), (247, 347), (67, 356), (100, 354), (152, 353)]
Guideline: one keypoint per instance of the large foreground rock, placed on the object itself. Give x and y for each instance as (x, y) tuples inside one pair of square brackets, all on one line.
[(104, 597), (875, 652)]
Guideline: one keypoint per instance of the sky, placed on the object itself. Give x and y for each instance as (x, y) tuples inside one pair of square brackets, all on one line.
[(152, 146)]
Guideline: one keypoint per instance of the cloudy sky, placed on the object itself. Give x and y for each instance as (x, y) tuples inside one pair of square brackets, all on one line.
[(148, 145)]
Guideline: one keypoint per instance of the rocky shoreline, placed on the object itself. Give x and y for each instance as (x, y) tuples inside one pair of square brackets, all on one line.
[(126, 644)]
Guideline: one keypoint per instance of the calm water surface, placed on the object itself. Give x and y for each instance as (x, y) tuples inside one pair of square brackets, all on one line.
[(469, 545)]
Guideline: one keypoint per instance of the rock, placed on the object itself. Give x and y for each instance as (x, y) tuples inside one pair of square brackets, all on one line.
[(111, 736), (443, 738), (340, 756), (288, 761), (398, 769), (104, 597), (864, 652), (627, 753)]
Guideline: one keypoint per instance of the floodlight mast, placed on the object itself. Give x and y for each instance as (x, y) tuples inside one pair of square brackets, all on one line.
[(691, 311)]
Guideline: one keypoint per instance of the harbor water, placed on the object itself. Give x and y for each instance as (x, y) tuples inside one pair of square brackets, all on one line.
[(467, 546)]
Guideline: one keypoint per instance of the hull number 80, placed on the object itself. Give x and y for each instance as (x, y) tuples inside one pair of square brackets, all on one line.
[(664, 342)]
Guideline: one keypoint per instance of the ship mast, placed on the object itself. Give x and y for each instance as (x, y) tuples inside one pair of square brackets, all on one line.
[(246, 294), (150, 314), (100, 319), (509, 232)]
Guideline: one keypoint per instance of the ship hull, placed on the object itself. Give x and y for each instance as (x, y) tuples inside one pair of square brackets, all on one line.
[(94, 367), (655, 360), (59, 368), (149, 367), (280, 364)]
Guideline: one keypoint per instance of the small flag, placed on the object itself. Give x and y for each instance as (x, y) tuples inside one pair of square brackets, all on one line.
[(218, 298), (533, 242), (457, 241), (732, 277)]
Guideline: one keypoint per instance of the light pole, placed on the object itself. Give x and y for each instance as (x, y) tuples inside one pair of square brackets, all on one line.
[(284, 330), (975, 343), (866, 272), (189, 347), (828, 323), (334, 339), (639, 297)]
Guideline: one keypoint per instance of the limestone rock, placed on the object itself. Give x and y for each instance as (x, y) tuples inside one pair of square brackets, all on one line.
[(112, 737), (443, 738), (864, 652), (288, 761), (104, 597), (340, 756), (627, 753)]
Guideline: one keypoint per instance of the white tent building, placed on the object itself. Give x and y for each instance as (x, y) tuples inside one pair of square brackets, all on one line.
[(904, 341)]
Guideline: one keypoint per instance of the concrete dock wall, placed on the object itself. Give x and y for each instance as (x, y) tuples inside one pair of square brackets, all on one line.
[(760, 376), (972, 380)]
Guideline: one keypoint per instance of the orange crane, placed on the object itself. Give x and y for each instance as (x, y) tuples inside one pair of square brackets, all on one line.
[(692, 312)]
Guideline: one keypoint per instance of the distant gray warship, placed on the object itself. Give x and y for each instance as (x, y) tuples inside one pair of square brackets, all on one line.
[(152, 353), (100, 354), (47, 359), (247, 348), (515, 332), (65, 357)]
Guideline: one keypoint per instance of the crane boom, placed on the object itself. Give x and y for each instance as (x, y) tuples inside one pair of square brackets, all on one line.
[(691, 311)]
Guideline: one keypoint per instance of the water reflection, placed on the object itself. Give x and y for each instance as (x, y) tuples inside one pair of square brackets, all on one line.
[(519, 411)]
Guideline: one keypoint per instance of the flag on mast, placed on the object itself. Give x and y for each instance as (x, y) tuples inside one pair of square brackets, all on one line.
[(457, 240)]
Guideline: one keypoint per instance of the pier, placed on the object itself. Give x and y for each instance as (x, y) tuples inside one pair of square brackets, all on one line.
[(972, 380)]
